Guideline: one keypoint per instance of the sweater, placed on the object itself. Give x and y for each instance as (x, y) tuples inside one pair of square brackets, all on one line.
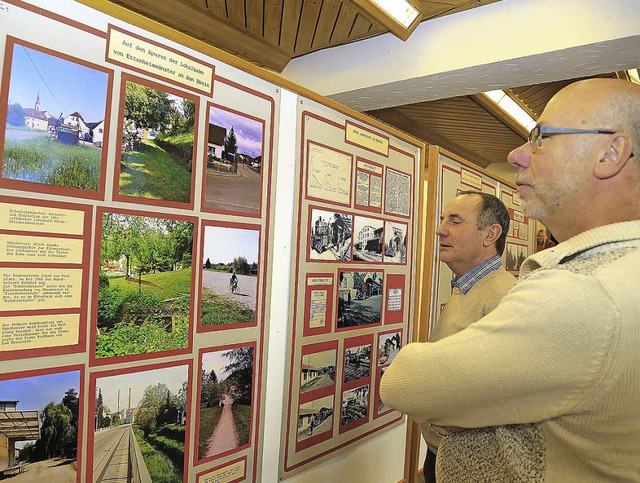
[(464, 309), (556, 366)]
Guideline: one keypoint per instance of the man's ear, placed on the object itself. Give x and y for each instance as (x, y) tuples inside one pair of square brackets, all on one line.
[(615, 158), (493, 233)]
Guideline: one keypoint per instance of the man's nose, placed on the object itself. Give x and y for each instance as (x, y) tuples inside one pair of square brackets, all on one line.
[(520, 157)]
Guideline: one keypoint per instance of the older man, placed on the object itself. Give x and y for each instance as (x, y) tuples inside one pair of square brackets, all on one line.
[(471, 237), (555, 368)]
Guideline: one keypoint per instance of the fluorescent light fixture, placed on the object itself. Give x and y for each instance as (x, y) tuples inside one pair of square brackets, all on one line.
[(512, 108), (400, 10), (399, 16), (633, 75)]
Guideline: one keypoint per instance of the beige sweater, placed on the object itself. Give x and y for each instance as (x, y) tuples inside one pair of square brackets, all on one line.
[(464, 309), (556, 366)]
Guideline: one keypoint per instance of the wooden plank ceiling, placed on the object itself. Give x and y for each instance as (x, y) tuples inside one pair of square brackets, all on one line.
[(470, 126), (269, 33)]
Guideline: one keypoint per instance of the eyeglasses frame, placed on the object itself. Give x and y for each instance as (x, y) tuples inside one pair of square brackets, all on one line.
[(536, 143)]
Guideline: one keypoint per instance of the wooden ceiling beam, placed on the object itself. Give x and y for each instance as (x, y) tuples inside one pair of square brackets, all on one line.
[(491, 107), (406, 124), (201, 25)]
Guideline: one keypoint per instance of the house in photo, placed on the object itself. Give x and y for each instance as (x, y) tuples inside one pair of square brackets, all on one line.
[(215, 141)]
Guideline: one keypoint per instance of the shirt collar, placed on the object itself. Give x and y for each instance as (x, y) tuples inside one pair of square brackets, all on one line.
[(477, 273)]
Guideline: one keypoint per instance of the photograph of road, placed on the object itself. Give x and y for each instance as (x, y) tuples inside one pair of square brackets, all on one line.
[(226, 385), (39, 427), (55, 124), (318, 370), (156, 148), (367, 239), (140, 425), (359, 298), (355, 405), (357, 362), (229, 276), (315, 418), (144, 285), (234, 164)]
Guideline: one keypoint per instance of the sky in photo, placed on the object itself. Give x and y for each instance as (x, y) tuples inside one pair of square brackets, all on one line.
[(34, 393), (223, 244), (248, 131), (216, 361), (172, 377), (64, 87)]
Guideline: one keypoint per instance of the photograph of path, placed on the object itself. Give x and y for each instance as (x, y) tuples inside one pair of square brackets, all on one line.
[(156, 154), (315, 417), (226, 385), (55, 124), (144, 285), (234, 164), (140, 425), (229, 276), (318, 370), (39, 427)]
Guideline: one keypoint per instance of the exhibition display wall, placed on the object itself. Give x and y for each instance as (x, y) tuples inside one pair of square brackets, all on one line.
[(137, 222), (352, 293)]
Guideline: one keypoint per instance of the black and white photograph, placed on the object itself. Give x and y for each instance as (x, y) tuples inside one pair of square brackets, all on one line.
[(368, 239), (357, 363), (395, 242), (55, 128), (355, 405), (382, 408), (315, 417), (515, 254), (359, 298), (389, 344), (229, 275), (318, 370), (329, 235)]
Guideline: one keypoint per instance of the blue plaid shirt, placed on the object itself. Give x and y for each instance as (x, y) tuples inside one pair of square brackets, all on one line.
[(477, 273)]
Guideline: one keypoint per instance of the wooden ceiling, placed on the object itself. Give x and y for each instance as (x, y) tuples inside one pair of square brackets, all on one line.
[(471, 126), (269, 33)]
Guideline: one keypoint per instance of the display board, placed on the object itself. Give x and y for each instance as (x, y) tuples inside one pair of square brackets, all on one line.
[(454, 175), (136, 184), (353, 283)]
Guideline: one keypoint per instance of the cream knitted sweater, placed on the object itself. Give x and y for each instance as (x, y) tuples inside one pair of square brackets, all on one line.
[(463, 309), (556, 366)]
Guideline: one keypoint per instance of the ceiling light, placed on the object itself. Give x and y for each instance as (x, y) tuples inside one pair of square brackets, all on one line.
[(399, 16), (512, 108)]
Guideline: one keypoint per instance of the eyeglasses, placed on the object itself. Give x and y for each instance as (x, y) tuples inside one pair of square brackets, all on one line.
[(538, 133)]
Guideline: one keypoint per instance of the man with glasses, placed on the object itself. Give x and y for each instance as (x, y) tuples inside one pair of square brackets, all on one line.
[(547, 385)]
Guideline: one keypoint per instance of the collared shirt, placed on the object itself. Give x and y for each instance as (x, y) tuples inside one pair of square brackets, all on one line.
[(477, 273)]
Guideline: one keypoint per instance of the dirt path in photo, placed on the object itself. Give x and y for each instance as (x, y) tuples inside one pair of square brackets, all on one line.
[(225, 436), (55, 470)]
